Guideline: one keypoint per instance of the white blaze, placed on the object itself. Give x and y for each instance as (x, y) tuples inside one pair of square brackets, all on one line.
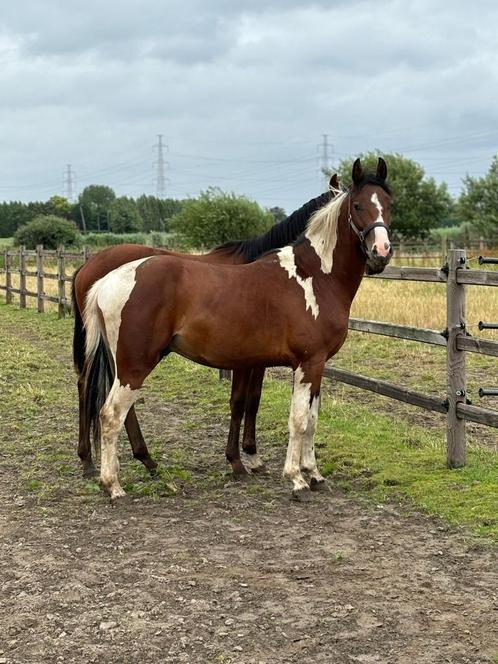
[(286, 259), (380, 236)]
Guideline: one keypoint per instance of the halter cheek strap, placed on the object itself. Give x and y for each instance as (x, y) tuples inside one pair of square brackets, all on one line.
[(363, 232)]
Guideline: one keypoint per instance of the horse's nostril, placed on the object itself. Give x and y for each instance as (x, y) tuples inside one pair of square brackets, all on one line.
[(374, 250), (387, 246)]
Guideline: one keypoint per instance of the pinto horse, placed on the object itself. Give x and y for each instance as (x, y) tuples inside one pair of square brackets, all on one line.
[(246, 383), (229, 317)]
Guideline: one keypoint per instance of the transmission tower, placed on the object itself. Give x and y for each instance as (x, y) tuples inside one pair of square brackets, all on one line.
[(68, 183), (325, 156), (161, 166)]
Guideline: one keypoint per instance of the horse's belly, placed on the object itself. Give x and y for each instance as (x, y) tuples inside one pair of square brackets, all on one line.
[(227, 352)]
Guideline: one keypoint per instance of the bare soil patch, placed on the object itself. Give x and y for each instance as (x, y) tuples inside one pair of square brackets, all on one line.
[(231, 572)]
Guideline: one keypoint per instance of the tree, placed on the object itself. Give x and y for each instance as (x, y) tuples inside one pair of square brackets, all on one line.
[(278, 214), (49, 230), (124, 216), (478, 203), (419, 204), (216, 217), (13, 215), (95, 203), (156, 212), (59, 206)]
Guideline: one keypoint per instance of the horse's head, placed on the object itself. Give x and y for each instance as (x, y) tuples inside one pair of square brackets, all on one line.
[(369, 215)]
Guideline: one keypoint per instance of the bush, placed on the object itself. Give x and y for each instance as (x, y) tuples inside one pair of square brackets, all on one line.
[(48, 230), (216, 217)]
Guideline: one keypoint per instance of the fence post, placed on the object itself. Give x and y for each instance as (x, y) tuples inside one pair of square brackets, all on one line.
[(8, 277), (61, 282), (22, 277), (457, 390), (39, 278)]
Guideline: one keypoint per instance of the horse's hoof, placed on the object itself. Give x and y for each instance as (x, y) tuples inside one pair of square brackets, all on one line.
[(239, 471), (319, 485), (252, 462), (241, 476), (302, 495), (89, 472), (116, 495), (153, 472)]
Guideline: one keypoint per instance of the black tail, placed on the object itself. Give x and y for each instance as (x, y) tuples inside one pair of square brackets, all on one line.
[(95, 374), (98, 379)]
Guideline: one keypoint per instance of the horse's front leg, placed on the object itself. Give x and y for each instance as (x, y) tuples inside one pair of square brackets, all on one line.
[(302, 423), (250, 455), (308, 457)]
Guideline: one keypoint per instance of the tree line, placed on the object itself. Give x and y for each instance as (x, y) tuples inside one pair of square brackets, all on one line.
[(97, 209), (421, 208)]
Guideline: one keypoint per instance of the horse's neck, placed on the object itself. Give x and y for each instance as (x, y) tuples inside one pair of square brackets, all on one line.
[(348, 264)]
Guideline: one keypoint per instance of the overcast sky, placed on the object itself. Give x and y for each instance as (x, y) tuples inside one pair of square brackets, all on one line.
[(241, 91)]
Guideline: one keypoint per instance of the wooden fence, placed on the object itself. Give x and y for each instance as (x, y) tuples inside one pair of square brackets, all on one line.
[(455, 337), (40, 264)]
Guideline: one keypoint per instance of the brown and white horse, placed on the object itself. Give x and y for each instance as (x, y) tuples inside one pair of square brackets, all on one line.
[(289, 308), (246, 384)]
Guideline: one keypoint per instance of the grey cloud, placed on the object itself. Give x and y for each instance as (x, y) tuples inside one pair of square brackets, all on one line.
[(237, 83)]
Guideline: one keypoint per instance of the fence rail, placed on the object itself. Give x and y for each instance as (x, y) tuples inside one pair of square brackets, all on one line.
[(455, 337), (16, 264)]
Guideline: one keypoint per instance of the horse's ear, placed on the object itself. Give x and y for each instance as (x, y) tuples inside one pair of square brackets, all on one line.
[(381, 169), (357, 171), (334, 182)]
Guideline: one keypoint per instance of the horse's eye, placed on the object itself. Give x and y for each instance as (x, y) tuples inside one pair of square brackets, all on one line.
[(356, 205)]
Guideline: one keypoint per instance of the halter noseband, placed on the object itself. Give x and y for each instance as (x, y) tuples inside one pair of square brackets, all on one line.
[(363, 233)]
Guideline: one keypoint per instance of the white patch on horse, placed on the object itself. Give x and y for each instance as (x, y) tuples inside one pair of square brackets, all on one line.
[(286, 259), (308, 457), (299, 418), (110, 294), (112, 417), (380, 236), (321, 231)]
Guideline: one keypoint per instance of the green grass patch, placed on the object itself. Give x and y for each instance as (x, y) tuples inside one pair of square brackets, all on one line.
[(365, 451)]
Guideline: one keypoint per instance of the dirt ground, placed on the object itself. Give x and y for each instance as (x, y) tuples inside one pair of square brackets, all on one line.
[(235, 572), (232, 575)]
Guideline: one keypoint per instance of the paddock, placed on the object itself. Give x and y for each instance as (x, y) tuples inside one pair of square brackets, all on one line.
[(195, 567)]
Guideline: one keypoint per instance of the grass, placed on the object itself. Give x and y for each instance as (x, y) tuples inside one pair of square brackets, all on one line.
[(362, 449)]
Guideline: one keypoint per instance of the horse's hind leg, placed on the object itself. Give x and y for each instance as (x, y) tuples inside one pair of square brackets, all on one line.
[(84, 446), (250, 456), (112, 417), (240, 381), (137, 441)]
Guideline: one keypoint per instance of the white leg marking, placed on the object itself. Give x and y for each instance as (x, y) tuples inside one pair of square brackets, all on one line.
[(286, 259), (298, 425), (308, 458), (112, 417)]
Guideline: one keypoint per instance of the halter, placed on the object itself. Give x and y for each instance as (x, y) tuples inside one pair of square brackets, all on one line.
[(363, 233)]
